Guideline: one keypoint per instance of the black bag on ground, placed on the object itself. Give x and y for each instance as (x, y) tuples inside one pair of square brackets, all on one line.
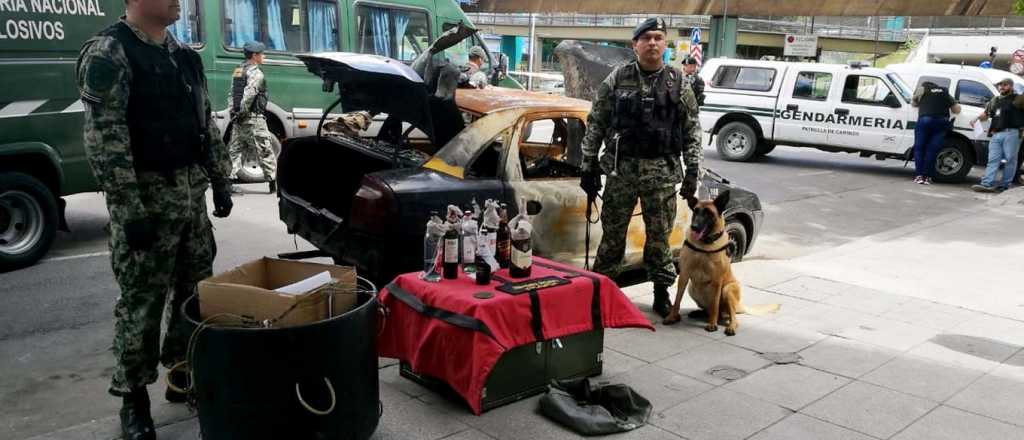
[(591, 409)]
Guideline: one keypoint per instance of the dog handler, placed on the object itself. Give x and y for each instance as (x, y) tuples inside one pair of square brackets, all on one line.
[(646, 115)]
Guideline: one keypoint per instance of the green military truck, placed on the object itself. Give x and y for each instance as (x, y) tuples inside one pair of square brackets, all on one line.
[(41, 152)]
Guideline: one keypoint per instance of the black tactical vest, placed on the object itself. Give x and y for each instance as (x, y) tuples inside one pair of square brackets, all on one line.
[(167, 111), (238, 81), (648, 126), (935, 102), (1007, 115)]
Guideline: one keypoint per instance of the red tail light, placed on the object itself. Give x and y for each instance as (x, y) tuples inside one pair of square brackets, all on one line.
[(373, 207)]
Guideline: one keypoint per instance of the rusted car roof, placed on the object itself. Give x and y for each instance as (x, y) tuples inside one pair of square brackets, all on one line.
[(484, 101)]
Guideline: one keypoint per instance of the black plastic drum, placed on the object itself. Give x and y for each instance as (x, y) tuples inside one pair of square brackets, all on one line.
[(317, 381)]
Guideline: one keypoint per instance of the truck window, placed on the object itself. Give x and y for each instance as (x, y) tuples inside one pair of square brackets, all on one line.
[(972, 93), (862, 89), (186, 29), (282, 25), (939, 81), (744, 78), (812, 85), (396, 33)]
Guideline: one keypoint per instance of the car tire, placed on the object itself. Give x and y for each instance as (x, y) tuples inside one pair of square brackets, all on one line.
[(953, 161), (764, 148), (28, 220), (251, 171), (737, 240), (736, 142)]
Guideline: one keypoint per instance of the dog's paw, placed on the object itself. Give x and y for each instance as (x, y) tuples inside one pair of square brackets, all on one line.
[(711, 328), (730, 331), (672, 318)]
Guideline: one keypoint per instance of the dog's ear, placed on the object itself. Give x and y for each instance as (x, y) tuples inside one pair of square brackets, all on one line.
[(692, 202), (722, 201)]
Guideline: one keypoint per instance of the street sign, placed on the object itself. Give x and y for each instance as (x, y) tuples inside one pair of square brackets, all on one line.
[(801, 46)]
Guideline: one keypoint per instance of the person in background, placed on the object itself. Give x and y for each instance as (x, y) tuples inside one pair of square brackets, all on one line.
[(474, 75), (934, 106), (1007, 113), (248, 102), (693, 79)]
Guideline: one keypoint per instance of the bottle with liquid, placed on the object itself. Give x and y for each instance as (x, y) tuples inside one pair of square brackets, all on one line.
[(431, 248), (487, 239), (504, 240), (450, 249), (469, 239), (522, 248)]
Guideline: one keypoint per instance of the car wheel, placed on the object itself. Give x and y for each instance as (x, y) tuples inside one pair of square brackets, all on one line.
[(737, 142), (251, 171), (764, 148), (28, 220), (953, 162), (737, 240)]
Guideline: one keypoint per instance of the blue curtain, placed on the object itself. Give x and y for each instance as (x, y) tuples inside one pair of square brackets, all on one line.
[(401, 23), (274, 27), (243, 22), (379, 25), (322, 26), (182, 29)]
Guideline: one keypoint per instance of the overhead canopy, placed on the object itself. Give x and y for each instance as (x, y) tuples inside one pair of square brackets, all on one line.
[(752, 8)]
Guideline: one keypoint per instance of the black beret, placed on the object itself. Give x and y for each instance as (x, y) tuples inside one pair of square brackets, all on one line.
[(690, 61), (650, 24)]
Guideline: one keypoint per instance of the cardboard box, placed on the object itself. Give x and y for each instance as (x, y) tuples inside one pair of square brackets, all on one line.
[(248, 291)]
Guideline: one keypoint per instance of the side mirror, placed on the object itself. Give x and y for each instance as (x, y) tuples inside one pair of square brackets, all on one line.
[(533, 207), (892, 101)]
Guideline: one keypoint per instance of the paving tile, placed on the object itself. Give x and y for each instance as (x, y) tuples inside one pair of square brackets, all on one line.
[(762, 273), (383, 362), (469, 434), (184, 430), (945, 423), (922, 378), (824, 318), (801, 427), (993, 396), (888, 333), (810, 288), (773, 337), (869, 409), (1013, 368), (845, 357), (790, 386), (787, 304), (1005, 330), (391, 376), (965, 351), (616, 363), (697, 361), (930, 314), (720, 414), (663, 388), (415, 420), (517, 421), (652, 346), (866, 300)]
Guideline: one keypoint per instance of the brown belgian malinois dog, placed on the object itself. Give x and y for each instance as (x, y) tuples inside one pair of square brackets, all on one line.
[(705, 265)]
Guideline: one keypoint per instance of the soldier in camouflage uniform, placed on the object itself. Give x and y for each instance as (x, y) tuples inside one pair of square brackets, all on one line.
[(647, 118), (154, 149), (248, 101), (693, 80)]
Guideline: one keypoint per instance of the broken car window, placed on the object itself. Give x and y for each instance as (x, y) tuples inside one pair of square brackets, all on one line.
[(549, 148)]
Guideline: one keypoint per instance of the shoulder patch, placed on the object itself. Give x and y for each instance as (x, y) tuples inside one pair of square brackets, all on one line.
[(237, 73), (100, 75)]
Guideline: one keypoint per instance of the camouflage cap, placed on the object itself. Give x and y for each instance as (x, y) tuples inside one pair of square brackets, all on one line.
[(254, 47), (650, 24), (477, 51)]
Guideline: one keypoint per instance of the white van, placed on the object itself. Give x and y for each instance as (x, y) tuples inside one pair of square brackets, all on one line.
[(752, 106)]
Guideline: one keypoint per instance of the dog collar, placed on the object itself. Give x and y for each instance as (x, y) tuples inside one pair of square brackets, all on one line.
[(692, 246), (712, 238)]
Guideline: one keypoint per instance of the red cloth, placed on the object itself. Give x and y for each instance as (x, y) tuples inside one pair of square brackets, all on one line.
[(464, 358)]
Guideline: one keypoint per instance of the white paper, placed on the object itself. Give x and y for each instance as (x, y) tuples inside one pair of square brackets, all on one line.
[(307, 285), (979, 130)]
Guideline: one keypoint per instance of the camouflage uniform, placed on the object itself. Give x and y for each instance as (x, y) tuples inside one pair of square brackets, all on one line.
[(250, 130), (173, 203), (653, 181)]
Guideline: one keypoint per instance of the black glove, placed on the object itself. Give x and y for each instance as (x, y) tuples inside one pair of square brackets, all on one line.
[(139, 234), (689, 188), (222, 203)]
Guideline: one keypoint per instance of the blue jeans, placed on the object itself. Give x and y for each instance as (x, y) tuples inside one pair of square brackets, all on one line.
[(1003, 145), (929, 134)]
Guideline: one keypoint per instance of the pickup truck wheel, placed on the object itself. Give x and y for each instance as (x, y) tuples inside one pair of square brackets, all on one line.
[(764, 148), (28, 220), (737, 142), (251, 171), (953, 162), (737, 240)]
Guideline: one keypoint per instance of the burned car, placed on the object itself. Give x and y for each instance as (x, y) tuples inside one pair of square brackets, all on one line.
[(364, 199)]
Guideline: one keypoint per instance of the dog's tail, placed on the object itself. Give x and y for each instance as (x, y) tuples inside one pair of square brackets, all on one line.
[(760, 309)]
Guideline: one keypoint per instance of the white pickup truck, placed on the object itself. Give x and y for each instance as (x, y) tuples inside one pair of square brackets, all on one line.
[(752, 106)]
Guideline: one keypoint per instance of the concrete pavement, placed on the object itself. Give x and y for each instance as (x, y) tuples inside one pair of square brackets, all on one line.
[(915, 333)]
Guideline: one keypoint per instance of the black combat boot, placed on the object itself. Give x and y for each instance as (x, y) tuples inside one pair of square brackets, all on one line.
[(136, 421), (661, 302), (273, 186)]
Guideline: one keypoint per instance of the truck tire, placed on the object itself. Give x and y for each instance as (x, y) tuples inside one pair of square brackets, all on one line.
[(953, 161), (764, 148), (251, 171), (28, 220), (737, 142), (737, 240)]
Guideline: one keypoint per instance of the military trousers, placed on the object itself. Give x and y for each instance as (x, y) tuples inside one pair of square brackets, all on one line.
[(155, 283), (251, 137), (658, 206)]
